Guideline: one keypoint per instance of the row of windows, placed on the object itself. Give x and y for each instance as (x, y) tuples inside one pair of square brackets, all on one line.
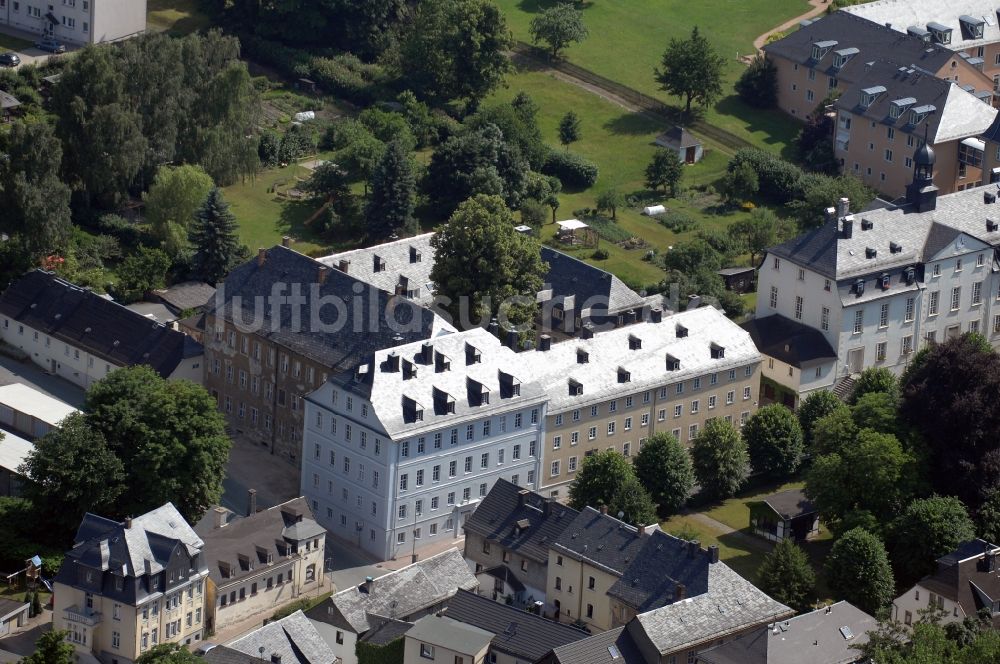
[(67, 349), (269, 583)]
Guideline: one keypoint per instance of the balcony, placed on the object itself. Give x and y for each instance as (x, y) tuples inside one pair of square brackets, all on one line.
[(83, 616)]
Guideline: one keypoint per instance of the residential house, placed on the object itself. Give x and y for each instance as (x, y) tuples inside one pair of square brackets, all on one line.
[(830, 635), (76, 21), (14, 451), (507, 539), (81, 336), (441, 639), (966, 27), (585, 561), (261, 561), (31, 412), (226, 655), (785, 514), (293, 639), (404, 595), (400, 452), (283, 325), (966, 582), (884, 117), (793, 352), (126, 587), (518, 637), (614, 389), (833, 53)]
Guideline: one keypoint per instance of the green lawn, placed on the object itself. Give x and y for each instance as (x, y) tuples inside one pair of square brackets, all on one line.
[(9, 43), (628, 37), (745, 560), (179, 17)]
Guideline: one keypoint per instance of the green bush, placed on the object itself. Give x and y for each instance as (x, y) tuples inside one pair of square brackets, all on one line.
[(571, 169), (779, 180), (600, 255), (678, 222), (348, 76)]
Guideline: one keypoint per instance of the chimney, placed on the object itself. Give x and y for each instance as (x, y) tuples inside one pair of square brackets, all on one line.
[(494, 328), (843, 207), (251, 502), (989, 197), (275, 658), (261, 256), (128, 523), (640, 530), (544, 342), (322, 274), (392, 362), (693, 547), (511, 340), (679, 592), (656, 315), (694, 301), (630, 316), (343, 265), (848, 227), (604, 509), (285, 241), (830, 215), (713, 554), (587, 332), (522, 497), (218, 517), (366, 587)]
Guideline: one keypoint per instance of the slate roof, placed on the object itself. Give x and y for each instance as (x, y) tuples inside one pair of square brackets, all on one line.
[(398, 594), (788, 340), (612, 647), (965, 576), (505, 574), (412, 258), (390, 386), (342, 342), (874, 42), (186, 295), (958, 114), (225, 655), (902, 14), (610, 350), (268, 532), (519, 634), (293, 638), (790, 503), (497, 517), (730, 605), (826, 636), (664, 561), (447, 633), (590, 287), (85, 320), (601, 540), (387, 632), (677, 138)]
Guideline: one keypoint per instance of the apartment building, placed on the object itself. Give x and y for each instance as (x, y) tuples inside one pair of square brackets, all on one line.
[(879, 285), (614, 389), (398, 453), (76, 21), (280, 325), (261, 561), (81, 336), (969, 28), (885, 117), (831, 54), (126, 587)]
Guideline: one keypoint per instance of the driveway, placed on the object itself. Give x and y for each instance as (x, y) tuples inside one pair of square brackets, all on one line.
[(28, 53), (12, 371)]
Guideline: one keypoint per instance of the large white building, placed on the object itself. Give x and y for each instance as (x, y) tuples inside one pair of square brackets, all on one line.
[(398, 453), (76, 21), (878, 285)]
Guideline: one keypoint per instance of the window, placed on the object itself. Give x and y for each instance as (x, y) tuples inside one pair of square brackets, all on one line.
[(907, 345), (516, 453), (611, 428), (883, 317), (730, 397), (468, 464), (694, 407), (574, 438), (692, 432), (420, 478), (932, 303), (880, 351), (592, 433), (908, 316), (956, 297), (888, 155), (977, 293), (554, 469), (571, 465), (403, 481), (678, 410), (484, 460), (774, 294), (825, 318), (556, 442), (746, 392), (452, 467), (798, 307), (859, 321)]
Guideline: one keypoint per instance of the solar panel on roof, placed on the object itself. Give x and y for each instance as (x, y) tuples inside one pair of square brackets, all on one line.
[(846, 632), (613, 651)]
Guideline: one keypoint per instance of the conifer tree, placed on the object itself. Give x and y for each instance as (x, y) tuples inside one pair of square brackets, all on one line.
[(215, 239), (390, 207)]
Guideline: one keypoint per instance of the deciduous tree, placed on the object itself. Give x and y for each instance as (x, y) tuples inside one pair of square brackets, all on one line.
[(52, 648), (606, 478), (176, 196), (610, 200), (786, 575), (720, 459), (664, 467), (926, 530), (774, 441), (168, 653), (141, 272), (558, 26), (875, 379), (758, 85), (664, 170), (857, 570), (691, 69), (815, 406)]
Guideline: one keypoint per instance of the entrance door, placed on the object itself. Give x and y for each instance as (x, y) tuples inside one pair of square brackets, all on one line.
[(856, 360), (689, 155)]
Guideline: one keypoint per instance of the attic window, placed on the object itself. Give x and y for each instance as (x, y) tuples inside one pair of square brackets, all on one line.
[(441, 362), (412, 411), (884, 281), (444, 403), (472, 354), (414, 255), (897, 106), (624, 375), (673, 364), (992, 225), (479, 394), (920, 33), (509, 385), (718, 352), (972, 27), (409, 370), (859, 287), (378, 264), (940, 33), (895, 248), (681, 331), (582, 356), (918, 114), (575, 388), (870, 252), (821, 48), (634, 342), (911, 275), (842, 56), (869, 95)]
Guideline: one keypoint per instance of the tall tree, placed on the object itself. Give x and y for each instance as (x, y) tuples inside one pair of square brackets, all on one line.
[(818, 404), (926, 530), (739, 185), (390, 206), (215, 238), (759, 232), (875, 379), (758, 85), (774, 441), (569, 129), (73, 472), (664, 170), (663, 466), (485, 267), (857, 570), (720, 459), (518, 125), (692, 70), (176, 196), (833, 432), (876, 411), (606, 478), (52, 648), (456, 49), (611, 200), (141, 272), (786, 575), (558, 26)]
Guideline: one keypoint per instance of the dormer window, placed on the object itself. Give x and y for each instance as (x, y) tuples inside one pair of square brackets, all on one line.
[(472, 354), (922, 34), (582, 356), (673, 364), (409, 370), (884, 281), (412, 411), (843, 56), (509, 385), (870, 252), (867, 224), (634, 342), (869, 95), (624, 375), (859, 287), (911, 276), (444, 403), (898, 106), (681, 331), (940, 33), (918, 114), (441, 362), (717, 351), (414, 255), (895, 248), (378, 264), (821, 48), (972, 26), (479, 394), (575, 388)]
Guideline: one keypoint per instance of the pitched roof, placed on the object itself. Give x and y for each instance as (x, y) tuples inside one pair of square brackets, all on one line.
[(14, 451), (520, 634), (788, 340), (825, 636), (502, 514), (589, 286), (601, 540), (677, 137), (505, 574), (293, 638), (387, 632), (450, 634), (398, 594), (186, 295), (249, 542), (730, 605), (968, 575), (338, 337), (651, 580), (225, 655), (83, 319), (956, 113), (9, 607), (790, 503), (902, 14), (34, 403), (8, 101), (612, 647)]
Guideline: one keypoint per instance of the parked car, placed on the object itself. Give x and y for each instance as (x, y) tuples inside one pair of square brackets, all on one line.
[(50, 45), (9, 59)]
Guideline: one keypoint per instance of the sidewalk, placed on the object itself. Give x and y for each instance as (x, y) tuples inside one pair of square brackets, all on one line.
[(818, 7)]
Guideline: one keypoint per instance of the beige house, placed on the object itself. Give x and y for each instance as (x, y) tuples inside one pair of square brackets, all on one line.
[(614, 389), (261, 562), (445, 641), (126, 587)]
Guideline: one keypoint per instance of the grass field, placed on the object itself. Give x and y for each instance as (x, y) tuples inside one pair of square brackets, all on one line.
[(10, 43), (628, 37), (179, 17)]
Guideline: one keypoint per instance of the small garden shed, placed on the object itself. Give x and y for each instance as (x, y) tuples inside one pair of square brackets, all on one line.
[(688, 148), (785, 514)]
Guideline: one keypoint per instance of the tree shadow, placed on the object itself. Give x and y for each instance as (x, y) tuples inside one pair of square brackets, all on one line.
[(633, 124), (538, 6), (777, 127), (293, 218)]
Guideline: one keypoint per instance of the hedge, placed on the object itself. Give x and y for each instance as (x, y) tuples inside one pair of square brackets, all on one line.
[(780, 181), (571, 169)]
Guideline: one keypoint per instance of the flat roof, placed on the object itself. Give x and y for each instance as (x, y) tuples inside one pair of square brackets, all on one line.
[(14, 451), (571, 224), (39, 405)]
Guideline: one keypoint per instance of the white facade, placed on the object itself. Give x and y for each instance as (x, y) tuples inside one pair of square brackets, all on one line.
[(911, 607), (393, 487), (76, 21)]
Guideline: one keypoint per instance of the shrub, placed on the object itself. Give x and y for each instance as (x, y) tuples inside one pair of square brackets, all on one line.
[(758, 85), (571, 169), (779, 181), (678, 222), (348, 76), (128, 235), (600, 255)]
